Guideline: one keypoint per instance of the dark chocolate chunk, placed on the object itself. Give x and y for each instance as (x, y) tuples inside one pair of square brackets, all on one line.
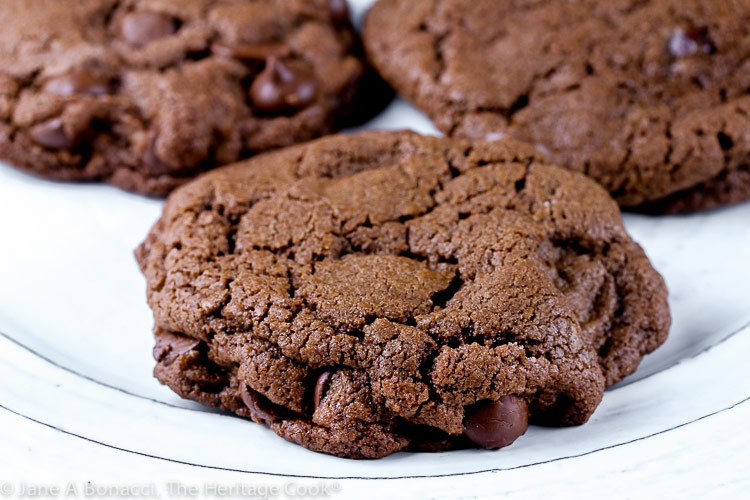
[(77, 82), (321, 386), (258, 405), (153, 162), (496, 424), (140, 28), (281, 87), (691, 42), (170, 346), (51, 134), (339, 11)]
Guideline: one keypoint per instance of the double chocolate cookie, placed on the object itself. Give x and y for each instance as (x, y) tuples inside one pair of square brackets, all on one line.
[(145, 94), (648, 97), (366, 294)]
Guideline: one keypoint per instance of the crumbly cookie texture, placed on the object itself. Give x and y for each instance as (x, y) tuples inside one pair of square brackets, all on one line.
[(366, 294), (648, 97), (145, 94)]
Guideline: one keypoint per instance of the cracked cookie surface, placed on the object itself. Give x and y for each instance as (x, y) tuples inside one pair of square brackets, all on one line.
[(145, 94), (366, 294), (648, 97)]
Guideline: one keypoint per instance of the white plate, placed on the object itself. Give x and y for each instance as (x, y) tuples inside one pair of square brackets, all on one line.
[(75, 340)]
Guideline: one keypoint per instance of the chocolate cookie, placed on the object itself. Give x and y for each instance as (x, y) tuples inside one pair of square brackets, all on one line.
[(366, 294), (145, 94), (650, 98)]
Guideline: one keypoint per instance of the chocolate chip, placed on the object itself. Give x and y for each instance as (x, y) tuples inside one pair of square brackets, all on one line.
[(153, 162), (339, 10), (77, 82), (280, 87), (321, 386), (250, 52), (143, 27), (51, 134), (691, 42), (259, 406), (170, 346), (496, 424)]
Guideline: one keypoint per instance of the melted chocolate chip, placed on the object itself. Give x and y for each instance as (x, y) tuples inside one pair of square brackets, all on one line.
[(51, 134), (321, 386), (153, 162), (496, 424), (280, 87), (77, 82), (170, 346), (259, 406), (250, 52), (143, 27), (691, 42), (339, 10)]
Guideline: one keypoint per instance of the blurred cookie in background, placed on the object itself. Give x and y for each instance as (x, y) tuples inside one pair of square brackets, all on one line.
[(146, 94), (649, 98)]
